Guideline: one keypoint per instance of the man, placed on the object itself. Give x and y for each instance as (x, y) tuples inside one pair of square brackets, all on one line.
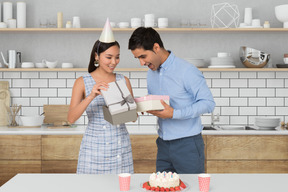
[(180, 143)]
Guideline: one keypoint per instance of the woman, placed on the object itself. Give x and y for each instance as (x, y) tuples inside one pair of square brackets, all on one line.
[(105, 148)]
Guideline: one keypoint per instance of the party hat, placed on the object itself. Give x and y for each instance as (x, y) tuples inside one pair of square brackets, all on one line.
[(107, 33)]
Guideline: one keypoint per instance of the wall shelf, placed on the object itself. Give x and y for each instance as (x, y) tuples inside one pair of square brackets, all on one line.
[(138, 69), (158, 29)]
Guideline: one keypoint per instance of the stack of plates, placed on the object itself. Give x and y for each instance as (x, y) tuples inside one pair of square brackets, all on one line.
[(224, 60), (267, 123), (196, 62)]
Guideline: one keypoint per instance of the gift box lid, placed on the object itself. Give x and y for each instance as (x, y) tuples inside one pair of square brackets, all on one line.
[(118, 97), (151, 97)]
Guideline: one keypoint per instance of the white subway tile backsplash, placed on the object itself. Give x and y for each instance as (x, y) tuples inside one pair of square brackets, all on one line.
[(39, 83), (238, 120), (266, 92), (238, 83), (67, 92), (215, 92), (20, 83), (142, 83), (266, 74), (220, 83), (229, 111), (238, 102), (229, 75), (257, 102), (281, 92), (275, 102), (30, 92), (282, 111), (134, 83), (57, 82), (211, 75), (36, 101), (247, 75), (266, 111), (29, 75), (21, 101), (11, 75), (221, 101), (15, 92), (30, 111), (275, 83), (51, 92), (139, 74), (80, 74), (57, 101), (248, 111), (140, 92), (282, 74), (257, 83), (231, 92), (66, 75), (239, 96), (70, 83), (48, 75)]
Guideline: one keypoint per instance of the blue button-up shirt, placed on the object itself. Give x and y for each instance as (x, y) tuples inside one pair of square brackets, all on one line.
[(189, 96)]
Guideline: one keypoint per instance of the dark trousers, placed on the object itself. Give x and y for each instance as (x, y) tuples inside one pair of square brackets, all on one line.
[(184, 155)]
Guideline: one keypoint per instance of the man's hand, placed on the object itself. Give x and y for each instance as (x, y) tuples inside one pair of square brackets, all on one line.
[(166, 113)]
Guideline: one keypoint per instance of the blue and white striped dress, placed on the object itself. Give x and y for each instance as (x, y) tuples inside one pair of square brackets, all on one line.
[(105, 148)]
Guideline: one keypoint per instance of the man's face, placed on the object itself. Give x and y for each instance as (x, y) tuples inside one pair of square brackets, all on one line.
[(147, 58)]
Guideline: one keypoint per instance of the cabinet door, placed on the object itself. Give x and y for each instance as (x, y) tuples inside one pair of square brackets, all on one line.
[(20, 147), (144, 151), (59, 166), (247, 147), (11, 168), (61, 147)]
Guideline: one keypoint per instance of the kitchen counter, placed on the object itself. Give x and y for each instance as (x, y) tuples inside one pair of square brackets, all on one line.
[(109, 183), (79, 130)]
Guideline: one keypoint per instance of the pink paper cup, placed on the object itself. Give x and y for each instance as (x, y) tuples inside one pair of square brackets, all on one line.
[(124, 181), (204, 182)]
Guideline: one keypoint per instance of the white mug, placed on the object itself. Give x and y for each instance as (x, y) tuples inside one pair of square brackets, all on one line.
[(11, 23), (162, 22), (149, 20), (123, 24), (76, 22), (285, 59), (136, 22), (256, 22)]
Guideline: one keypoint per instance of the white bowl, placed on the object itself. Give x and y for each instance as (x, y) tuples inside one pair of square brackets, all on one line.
[(32, 120), (40, 65), (67, 65), (196, 62), (281, 13), (27, 65), (51, 64)]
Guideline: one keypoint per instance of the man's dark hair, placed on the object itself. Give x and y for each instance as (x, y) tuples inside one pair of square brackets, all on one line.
[(144, 38)]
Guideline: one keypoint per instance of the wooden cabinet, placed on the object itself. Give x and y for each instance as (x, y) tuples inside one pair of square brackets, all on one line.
[(60, 153), (19, 154), (247, 154)]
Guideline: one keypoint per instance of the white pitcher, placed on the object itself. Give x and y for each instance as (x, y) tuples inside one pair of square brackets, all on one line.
[(12, 58)]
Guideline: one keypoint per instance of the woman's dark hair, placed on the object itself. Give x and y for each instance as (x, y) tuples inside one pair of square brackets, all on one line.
[(144, 38), (98, 48)]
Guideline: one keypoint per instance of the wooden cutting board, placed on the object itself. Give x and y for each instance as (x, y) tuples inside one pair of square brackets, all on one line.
[(55, 113)]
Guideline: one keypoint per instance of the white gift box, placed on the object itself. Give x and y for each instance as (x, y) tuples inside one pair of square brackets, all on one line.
[(120, 105), (151, 102)]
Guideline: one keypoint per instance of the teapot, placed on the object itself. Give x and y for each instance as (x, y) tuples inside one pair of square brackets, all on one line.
[(12, 58)]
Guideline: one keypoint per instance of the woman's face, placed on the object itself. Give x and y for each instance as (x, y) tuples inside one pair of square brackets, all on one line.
[(109, 59)]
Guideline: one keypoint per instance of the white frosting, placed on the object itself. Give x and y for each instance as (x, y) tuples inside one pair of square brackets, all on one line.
[(164, 179)]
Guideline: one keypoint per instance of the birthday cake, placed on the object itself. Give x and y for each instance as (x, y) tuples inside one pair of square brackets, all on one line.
[(164, 182)]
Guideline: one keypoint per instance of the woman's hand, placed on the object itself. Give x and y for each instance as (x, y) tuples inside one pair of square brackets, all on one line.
[(96, 90)]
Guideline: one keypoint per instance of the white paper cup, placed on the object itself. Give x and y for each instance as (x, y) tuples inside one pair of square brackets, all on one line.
[(204, 182)]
